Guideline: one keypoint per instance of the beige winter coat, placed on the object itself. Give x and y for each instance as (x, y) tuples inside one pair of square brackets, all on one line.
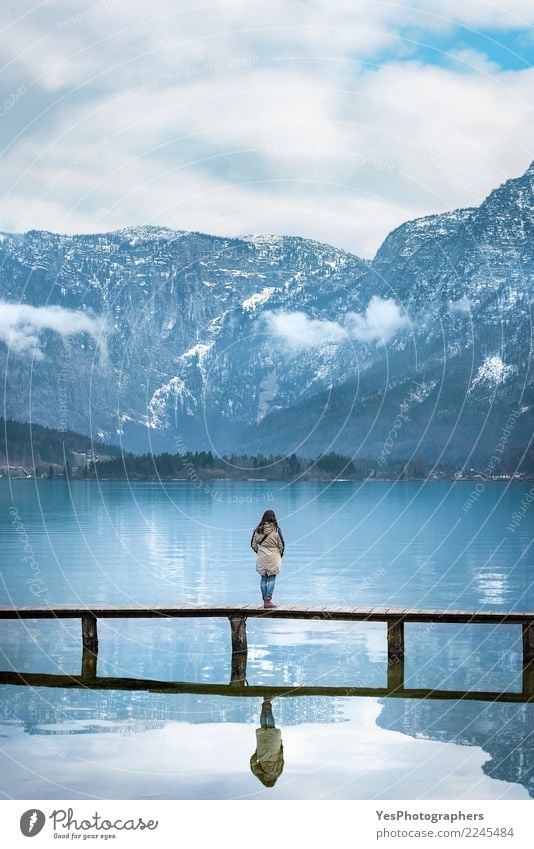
[(267, 762), (268, 543)]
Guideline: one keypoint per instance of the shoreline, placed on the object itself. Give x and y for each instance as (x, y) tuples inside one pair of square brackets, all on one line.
[(208, 481)]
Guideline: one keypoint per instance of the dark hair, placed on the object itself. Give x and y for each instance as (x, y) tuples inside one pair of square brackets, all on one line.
[(268, 516)]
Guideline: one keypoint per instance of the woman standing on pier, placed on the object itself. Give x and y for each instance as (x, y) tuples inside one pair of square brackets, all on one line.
[(268, 543)]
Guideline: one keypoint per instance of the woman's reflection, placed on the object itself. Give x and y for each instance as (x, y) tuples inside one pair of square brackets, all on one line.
[(267, 762)]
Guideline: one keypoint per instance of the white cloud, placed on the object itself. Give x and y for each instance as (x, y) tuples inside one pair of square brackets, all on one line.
[(298, 331), (473, 60), (514, 14), (20, 325), (242, 117), (382, 319)]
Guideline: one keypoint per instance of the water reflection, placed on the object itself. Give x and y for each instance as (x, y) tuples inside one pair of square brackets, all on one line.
[(401, 544), (267, 762), (505, 732), (308, 670), (447, 758), (377, 544)]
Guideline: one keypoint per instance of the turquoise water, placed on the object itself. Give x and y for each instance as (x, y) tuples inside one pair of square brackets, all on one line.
[(409, 544)]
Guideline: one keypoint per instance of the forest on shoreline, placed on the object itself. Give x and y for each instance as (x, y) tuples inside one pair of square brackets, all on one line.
[(33, 451)]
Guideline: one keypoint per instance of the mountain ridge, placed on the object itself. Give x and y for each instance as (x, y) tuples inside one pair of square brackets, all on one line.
[(214, 341)]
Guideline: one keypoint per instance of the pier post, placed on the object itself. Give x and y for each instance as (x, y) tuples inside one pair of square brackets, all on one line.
[(238, 628), (528, 679), (528, 640), (89, 660), (528, 658), (395, 655), (395, 675), (395, 640), (90, 645)]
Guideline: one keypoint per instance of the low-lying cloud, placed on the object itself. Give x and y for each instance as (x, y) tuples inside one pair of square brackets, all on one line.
[(20, 325), (299, 331), (382, 319)]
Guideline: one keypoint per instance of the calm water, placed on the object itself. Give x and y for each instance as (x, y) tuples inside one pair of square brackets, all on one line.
[(402, 544)]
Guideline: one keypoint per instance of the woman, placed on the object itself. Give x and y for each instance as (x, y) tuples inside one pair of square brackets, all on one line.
[(267, 762), (268, 543)]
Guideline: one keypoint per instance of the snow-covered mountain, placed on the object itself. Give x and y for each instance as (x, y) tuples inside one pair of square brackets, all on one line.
[(458, 383), (168, 339)]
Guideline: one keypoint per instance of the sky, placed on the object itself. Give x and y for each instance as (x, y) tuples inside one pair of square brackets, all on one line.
[(331, 119)]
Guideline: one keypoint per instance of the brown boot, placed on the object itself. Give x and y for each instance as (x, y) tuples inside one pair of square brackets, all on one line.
[(267, 603)]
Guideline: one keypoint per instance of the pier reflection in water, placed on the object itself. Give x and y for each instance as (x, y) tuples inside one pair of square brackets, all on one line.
[(72, 737), (74, 744)]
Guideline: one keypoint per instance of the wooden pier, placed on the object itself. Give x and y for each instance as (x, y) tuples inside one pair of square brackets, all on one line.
[(394, 618)]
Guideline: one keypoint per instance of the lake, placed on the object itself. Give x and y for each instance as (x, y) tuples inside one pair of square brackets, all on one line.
[(434, 544)]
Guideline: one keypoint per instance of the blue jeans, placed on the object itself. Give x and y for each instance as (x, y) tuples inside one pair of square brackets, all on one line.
[(267, 718), (267, 585)]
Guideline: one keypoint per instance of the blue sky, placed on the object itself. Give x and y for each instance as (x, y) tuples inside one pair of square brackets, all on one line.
[(333, 120), (511, 50)]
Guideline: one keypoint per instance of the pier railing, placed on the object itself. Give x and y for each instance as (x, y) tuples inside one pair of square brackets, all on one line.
[(394, 618)]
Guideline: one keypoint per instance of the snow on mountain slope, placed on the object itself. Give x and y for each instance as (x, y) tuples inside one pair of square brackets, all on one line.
[(193, 353)]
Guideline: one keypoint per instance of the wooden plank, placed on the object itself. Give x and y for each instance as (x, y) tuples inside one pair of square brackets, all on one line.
[(370, 614)]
